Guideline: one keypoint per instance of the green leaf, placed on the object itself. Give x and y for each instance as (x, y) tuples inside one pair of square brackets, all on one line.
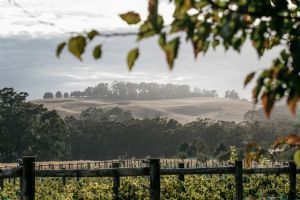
[(77, 46), (97, 53), (248, 78), (284, 55), (297, 157), (171, 50), (59, 48), (162, 40), (131, 58), (131, 17), (215, 43), (92, 34)]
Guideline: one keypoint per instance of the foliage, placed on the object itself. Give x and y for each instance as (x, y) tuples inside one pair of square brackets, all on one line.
[(233, 155), (231, 94), (127, 137), (66, 95), (289, 141), (198, 187), (48, 95), (58, 95), (27, 128)]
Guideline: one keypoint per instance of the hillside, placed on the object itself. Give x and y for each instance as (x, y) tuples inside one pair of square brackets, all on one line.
[(183, 110)]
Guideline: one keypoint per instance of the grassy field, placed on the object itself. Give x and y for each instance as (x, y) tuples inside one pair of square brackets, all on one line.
[(183, 110)]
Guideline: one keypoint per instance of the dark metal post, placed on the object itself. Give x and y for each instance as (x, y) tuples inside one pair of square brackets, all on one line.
[(239, 180), (292, 179), (116, 181), (28, 178), (154, 179), (181, 176)]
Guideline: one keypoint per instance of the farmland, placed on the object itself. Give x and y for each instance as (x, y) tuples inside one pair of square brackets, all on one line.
[(183, 110)]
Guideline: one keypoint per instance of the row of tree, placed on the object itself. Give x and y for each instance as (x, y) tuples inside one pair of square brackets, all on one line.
[(30, 129), (143, 91), (58, 95), (127, 90)]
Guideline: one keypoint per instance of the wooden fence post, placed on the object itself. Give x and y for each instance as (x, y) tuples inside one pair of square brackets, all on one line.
[(1, 183), (181, 176), (292, 180), (28, 178), (154, 170), (64, 180), (116, 181), (239, 180)]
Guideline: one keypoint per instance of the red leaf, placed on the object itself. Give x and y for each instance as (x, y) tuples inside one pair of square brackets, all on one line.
[(293, 139), (267, 102), (292, 103)]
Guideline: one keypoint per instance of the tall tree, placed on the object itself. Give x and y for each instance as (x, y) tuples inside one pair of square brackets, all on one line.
[(66, 95), (48, 95), (29, 129), (58, 95)]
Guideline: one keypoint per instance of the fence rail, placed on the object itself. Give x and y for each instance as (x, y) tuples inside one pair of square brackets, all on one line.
[(27, 173), (131, 163)]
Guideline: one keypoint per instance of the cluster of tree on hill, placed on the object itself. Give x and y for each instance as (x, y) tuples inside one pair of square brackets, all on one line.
[(231, 94), (144, 91), (30, 129), (58, 95)]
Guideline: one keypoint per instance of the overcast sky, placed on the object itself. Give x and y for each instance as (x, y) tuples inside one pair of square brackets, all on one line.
[(31, 29)]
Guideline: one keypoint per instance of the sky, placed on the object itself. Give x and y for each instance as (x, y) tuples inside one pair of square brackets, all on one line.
[(31, 30)]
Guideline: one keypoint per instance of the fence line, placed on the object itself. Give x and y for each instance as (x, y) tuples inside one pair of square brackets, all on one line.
[(27, 173), (165, 163)]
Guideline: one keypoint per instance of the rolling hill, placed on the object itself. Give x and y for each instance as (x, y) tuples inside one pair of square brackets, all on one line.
[(183, 110)]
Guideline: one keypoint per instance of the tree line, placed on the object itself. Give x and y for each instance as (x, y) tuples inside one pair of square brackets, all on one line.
[(97, 134), (143, 91), (140, 91)]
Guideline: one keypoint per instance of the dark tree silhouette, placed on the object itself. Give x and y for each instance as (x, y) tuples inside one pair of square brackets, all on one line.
[(48, 95), (58, 95), (66, 95)]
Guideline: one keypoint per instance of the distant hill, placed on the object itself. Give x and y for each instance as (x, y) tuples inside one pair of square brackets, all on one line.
[(184, 110)]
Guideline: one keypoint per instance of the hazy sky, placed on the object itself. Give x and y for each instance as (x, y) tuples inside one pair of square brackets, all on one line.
[(31, 29)]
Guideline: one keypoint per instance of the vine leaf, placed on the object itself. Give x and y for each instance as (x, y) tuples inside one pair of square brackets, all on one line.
[(131, 58), (170, 49), (92, 34), (59, 48), (292, 103), (267, 102), (77, 46), (248, 78), (293, 139), (297, 157), (131, 17), (153, 12), (97, 53)]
